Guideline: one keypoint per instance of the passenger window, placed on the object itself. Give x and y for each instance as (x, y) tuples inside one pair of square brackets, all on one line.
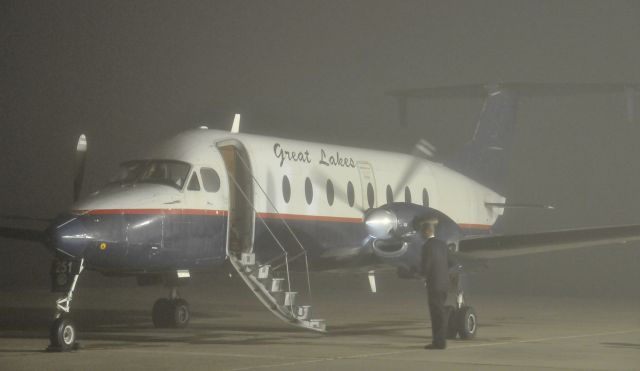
[(389, 194), (308, 191), (330, 192), (370, 195), (425, 197), (210, 179), (286, 189), (407, 195), (351, 197), (194, 184)]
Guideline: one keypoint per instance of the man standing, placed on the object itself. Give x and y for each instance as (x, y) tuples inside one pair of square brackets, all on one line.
[(435, 264)]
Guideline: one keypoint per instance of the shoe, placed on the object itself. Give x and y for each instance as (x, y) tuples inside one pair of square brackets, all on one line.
[(436, 346)]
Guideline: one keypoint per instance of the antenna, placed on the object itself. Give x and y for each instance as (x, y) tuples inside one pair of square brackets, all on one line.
[(235, 128)]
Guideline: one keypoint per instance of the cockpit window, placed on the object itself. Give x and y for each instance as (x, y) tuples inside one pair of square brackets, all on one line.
[(210, 179), (194, 184), (168, 172)]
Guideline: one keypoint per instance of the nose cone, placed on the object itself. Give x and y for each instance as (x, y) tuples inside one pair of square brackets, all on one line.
[(381, 223), (68, 235)]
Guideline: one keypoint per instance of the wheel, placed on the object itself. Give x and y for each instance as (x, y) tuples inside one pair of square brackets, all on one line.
[(467, 323), (62, 335), (452, 329), (170, 313), (180, 313), (161, 313)]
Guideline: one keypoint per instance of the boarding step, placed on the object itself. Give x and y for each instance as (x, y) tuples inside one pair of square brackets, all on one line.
[(316, 324), (277, 285), (290, 298), (271, 292), (263, 272), (303, 312), (248, 259), (285, 299)]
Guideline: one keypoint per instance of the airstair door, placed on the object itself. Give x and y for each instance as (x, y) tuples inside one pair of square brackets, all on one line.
[(241, 212)]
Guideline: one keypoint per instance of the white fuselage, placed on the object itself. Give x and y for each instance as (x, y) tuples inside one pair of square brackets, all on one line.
[(308, 168)]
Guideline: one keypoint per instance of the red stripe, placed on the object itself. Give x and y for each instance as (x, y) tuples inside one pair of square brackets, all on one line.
[(310, 217), (152, 212), (338, 219)]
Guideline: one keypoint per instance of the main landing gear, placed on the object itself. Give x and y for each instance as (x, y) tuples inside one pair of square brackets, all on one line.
[(63, 334), (463, 321), (170, 312)]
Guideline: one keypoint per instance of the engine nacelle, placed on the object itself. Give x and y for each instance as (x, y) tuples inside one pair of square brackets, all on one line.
[(394, 239)]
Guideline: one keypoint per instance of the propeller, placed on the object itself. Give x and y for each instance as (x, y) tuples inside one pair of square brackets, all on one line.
[(81, 151), (37, 235), (339, 190), (421, 150)]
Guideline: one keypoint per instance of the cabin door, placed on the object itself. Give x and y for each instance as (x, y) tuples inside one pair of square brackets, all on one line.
[(241, 216)]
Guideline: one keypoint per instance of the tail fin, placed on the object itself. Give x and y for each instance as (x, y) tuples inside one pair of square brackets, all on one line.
[(486, 157)]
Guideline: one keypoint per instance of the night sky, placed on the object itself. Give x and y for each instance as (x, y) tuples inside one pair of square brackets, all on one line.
[(132, 73)]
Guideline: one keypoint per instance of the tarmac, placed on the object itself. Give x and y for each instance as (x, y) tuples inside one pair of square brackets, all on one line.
[(387, 330)]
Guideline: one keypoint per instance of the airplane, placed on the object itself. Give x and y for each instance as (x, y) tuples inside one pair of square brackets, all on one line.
[(271, 210)]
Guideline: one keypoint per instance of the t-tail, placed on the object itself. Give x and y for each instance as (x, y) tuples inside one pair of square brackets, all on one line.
[(486, 157)]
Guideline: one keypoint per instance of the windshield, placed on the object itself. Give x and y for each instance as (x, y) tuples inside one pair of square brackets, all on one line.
[(167, 172)]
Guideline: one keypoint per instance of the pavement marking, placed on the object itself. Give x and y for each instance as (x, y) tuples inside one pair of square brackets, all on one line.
[(621, 332), (206, 354), (382, 354)]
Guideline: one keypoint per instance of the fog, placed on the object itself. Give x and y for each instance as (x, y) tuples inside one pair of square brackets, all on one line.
[(130, 74)]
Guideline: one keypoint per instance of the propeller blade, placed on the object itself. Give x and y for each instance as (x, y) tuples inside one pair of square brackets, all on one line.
[(339, 193), (420, 150), (81, 151)]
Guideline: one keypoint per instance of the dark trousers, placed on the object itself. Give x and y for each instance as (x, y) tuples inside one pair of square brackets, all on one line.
[(439, 317)]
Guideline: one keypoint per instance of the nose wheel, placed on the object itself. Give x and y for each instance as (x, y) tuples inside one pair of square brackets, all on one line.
[(170, 313), (62, 335)]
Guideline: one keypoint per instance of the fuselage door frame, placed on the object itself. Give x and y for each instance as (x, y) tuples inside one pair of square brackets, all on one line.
[(241, 212)]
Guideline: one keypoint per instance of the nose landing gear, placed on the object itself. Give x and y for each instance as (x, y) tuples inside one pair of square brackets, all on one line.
[(63, 334)]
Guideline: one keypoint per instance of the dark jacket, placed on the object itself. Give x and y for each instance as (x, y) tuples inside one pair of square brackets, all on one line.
[(436, 263)]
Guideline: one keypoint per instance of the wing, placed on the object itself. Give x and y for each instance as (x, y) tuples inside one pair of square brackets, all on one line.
[(22, 234), (27, 234), (512, 245)]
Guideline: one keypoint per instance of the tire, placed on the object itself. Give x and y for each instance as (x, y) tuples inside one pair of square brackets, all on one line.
[(467, 323), (161, 313), (180, 314), (62, 335), (452, 324)]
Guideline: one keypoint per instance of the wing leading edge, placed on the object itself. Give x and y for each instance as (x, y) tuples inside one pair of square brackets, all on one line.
[(22, 234), (513, 245)]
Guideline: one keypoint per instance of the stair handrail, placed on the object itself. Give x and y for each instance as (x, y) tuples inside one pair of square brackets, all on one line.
[(284, 251), (295, 237)]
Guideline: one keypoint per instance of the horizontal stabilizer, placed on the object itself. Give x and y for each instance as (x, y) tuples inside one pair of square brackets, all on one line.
[(513, 245), (525, 89)]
